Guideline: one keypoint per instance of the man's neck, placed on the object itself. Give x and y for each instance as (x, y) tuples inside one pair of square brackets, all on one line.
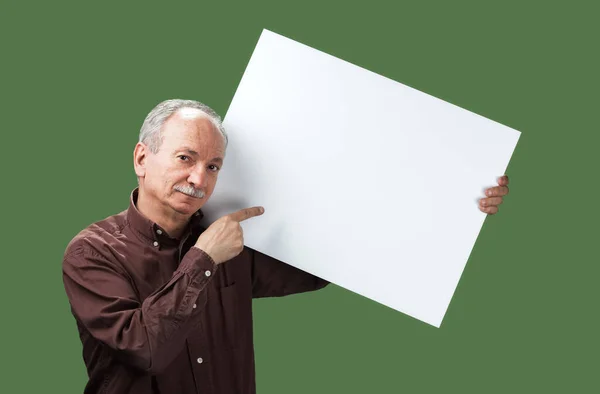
[(172, 222)]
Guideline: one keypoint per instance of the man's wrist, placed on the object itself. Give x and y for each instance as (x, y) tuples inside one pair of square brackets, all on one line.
[(207, 253)]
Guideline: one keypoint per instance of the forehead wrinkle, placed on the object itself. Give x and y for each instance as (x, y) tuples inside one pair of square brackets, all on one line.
[(202, 146), (196, 134)]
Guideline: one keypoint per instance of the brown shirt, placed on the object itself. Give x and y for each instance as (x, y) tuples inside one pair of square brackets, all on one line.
[(157, 315)]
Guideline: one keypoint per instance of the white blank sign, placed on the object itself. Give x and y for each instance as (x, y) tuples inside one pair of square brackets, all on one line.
[(367, 183)]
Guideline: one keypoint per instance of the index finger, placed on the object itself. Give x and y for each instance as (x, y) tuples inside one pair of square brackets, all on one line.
[(247, 213)]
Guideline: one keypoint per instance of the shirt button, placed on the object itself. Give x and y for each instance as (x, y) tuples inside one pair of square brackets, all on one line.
[(199, 360), (194, 306), (207, 273), (155, 243), (159, 232)]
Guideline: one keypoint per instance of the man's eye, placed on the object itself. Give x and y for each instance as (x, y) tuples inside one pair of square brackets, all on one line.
[(184, 157), (213, 167)]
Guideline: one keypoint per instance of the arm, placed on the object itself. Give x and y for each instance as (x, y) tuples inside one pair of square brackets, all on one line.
[(273, 278), (149, 334)]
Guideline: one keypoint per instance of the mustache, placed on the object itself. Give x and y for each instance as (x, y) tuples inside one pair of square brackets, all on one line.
[(190, 191)]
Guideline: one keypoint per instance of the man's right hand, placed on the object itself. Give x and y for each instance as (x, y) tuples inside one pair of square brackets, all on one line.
[(224, 239)]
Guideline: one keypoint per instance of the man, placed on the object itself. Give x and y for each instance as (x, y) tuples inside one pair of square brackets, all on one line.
[(161, 304)]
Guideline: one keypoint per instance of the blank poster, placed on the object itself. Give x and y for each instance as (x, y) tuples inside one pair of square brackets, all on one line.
[(366, 182)]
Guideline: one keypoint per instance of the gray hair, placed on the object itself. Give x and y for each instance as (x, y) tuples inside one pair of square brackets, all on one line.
[(151, 131)]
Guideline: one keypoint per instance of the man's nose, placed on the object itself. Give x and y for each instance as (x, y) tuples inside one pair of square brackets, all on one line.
[(198, 177)]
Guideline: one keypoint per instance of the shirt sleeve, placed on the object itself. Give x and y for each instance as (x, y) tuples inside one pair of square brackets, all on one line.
[(273, 278), (144, 334)]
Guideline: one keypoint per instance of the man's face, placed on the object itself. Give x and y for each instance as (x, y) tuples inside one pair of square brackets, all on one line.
[(181, 176)]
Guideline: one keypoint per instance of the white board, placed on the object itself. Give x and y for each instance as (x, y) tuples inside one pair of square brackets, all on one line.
[(367, 183)]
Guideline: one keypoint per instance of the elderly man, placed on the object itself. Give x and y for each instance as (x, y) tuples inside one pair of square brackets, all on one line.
[(163, 305)]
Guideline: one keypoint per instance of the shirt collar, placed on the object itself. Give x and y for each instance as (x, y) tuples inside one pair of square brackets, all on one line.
[(151, 230)]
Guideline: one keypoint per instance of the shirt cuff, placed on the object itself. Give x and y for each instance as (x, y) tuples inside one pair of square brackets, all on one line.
[(198, 265)]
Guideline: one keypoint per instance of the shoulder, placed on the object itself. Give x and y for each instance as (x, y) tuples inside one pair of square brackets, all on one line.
[(91, 242)]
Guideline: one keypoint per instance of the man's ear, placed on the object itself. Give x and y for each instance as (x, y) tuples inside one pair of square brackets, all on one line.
[(140, 154)]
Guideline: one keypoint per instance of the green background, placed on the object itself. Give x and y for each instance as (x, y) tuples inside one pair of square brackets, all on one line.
[(78, 79)]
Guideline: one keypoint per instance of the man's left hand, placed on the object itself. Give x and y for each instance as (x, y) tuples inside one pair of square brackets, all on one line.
[(494, 196)]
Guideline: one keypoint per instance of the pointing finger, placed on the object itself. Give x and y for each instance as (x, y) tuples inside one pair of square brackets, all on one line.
[(247, 213)]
